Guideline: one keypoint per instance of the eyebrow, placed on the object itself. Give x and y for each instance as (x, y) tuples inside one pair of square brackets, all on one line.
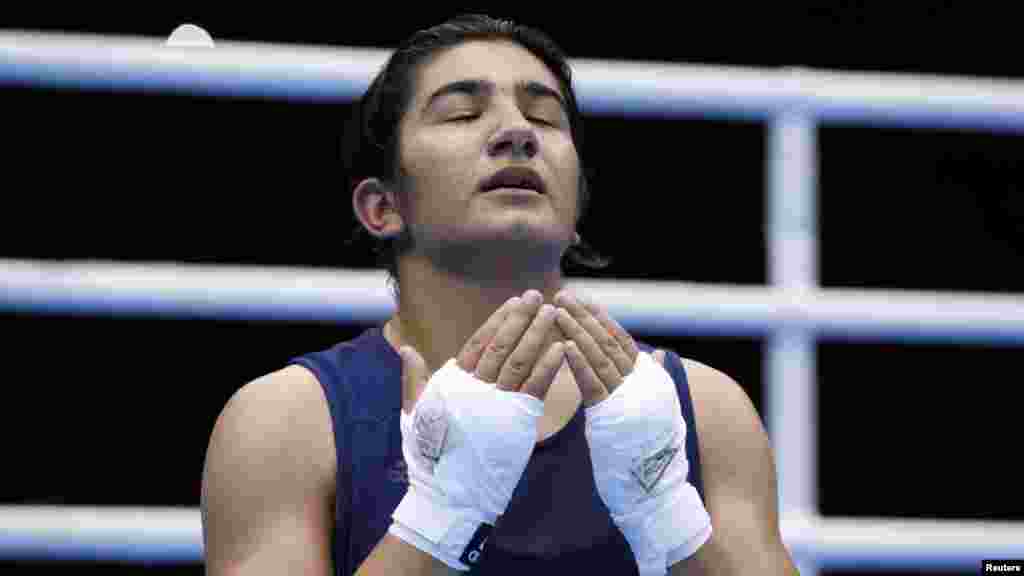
[(476, 87)]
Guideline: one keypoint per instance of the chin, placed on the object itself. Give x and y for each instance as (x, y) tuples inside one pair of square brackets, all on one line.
[(500, 252), (527, 234)]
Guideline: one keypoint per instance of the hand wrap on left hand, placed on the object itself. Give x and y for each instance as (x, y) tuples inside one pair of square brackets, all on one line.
[(637, 445)]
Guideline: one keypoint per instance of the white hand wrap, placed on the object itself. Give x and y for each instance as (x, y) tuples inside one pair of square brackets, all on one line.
[(466, 446), (637, 446)]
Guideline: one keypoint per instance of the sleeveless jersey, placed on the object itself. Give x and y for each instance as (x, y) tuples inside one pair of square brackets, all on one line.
[(556, 522)]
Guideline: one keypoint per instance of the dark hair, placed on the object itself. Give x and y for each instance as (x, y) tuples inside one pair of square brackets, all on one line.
[(370, 145)]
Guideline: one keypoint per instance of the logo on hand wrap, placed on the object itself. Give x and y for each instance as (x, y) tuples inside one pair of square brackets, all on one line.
[(431, 428), (648, 471)]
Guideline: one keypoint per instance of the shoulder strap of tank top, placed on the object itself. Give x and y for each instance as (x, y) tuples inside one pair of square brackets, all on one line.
[(674, 365), (366, 391)]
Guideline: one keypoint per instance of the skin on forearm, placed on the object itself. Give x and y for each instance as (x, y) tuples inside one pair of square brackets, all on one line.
[(714, 558), (699, 564), (392, 555)]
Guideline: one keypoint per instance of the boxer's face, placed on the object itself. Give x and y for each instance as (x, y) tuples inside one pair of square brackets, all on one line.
[(447, 148)]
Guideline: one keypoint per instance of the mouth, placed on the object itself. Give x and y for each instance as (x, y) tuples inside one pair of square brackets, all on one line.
[(511, 190), (514, 179)]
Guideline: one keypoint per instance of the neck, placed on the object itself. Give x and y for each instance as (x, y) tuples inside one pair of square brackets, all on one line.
[(439, 310)]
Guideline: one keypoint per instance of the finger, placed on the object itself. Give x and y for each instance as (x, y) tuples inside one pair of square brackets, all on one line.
[(599, 362), (607, 342), (544, 372), (414, 377), (614, 328), (591, 388), (474, 348), (519, 364), (659, 355), (555, 335), (519, 317)]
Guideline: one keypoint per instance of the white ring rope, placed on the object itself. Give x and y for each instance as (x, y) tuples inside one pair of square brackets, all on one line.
[(174, 535), (361, 296), (604, 87)]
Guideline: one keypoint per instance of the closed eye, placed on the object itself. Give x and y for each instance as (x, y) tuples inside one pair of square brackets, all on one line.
[(470, 117)]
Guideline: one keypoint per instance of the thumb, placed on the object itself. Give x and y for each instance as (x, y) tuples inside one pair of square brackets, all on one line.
[(414, 377), (659, 355)]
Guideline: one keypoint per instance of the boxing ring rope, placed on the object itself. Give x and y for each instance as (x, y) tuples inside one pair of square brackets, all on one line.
[(792, 313), (219, 292)]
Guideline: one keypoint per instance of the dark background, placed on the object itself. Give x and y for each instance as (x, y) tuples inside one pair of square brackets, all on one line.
[(118, 411)]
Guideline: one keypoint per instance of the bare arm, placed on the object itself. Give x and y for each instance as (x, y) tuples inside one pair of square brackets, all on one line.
[(739, 482), (269, 487), (393, 555), (268, 481)]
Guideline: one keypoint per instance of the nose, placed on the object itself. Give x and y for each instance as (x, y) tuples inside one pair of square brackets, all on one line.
[(515, 141)]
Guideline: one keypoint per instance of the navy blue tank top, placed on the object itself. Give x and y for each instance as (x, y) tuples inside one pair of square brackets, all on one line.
[(556, 522)]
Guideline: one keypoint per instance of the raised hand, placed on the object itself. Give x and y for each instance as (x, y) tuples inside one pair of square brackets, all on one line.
[(636, 434), (600, 352), (469, 429), (517, 349), (516, 358)]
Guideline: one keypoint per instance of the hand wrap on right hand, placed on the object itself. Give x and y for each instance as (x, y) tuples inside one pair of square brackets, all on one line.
[(466, 445), (637, 439)]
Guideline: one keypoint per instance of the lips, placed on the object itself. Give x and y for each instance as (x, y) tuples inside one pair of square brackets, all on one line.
[(515, 177)]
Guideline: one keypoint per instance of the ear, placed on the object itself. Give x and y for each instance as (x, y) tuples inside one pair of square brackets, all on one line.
[(375, 205)]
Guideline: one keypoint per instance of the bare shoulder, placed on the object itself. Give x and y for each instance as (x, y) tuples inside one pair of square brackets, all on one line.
[(730, 432), (739, 474), (269, 476), (720, 400), (282, 410)]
